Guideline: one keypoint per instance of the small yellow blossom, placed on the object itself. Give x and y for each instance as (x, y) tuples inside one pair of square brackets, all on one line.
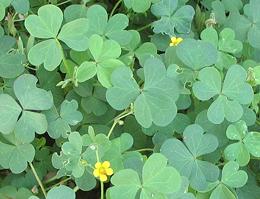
[(103, 170), (175, 41)]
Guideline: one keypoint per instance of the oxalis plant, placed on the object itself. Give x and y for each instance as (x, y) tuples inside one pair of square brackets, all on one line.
[(129, 99)]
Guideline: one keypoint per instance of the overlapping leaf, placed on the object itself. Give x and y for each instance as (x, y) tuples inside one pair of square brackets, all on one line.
[(248, 143), (15, 156), (59, 123), (113, 28), (230, 96), (197, 54), (138, 6), (154, 103), (226, 44), (105, 54), (158, 180), (11, 63), (185, 157), (32, 100), (172, 20), (46, 25), (232, 177)]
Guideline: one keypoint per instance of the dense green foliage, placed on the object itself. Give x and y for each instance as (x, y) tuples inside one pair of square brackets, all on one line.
[(129, 99)]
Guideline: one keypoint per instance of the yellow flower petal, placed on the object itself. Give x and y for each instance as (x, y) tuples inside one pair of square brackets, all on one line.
[(96, 172), (103, 178), (175, 41), (106, 164), (109, 171), (98, 165)]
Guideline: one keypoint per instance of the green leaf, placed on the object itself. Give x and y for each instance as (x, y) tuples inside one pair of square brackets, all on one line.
[(28, 124), (112, 28), (69, 112), (158, 180), (70, 159), (155, 104), (103, 50), (105, 54), (11, 110), (2, 11), (21, 6), (252, 142), (185, 158), (235, 92), (125, 86), (31, 97), (74, 34), (210, 84), (15, 157), (98, 17), (248, 143), (158, 177), (61, 192), (86, 71), (138, 6), (13, 192), (47, 24), (232, 176), (172, 19), (11, 63), (126, 184), (222, 192), (197, 54), (47, 53), (227, 42)]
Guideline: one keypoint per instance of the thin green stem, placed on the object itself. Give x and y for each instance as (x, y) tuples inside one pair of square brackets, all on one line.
[(117, 119), (115, 7), (59, 183), (144, 150), (66, 65), (102, 190), (144, 27), (76, 189), (38, 179), (112, 128), (64, 2)]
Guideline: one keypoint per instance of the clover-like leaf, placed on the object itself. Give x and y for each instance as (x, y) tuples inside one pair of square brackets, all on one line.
[(248, 143), (74, 34), (70, 158), (59, 123), (11, 63), (197, 54), (105, 54), (232, 176), (69, 112), (61, 192), (15, 157), (46, 25), (172, 20), (186, 158), (31, 99), (155, 103), (158, 180), (138, 6), (112, 28), (47, 52), (226, 44), (234, 93), (10, 112)]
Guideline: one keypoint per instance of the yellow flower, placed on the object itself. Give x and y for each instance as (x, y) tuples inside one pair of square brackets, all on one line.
[(175, 41), (103, 170)]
